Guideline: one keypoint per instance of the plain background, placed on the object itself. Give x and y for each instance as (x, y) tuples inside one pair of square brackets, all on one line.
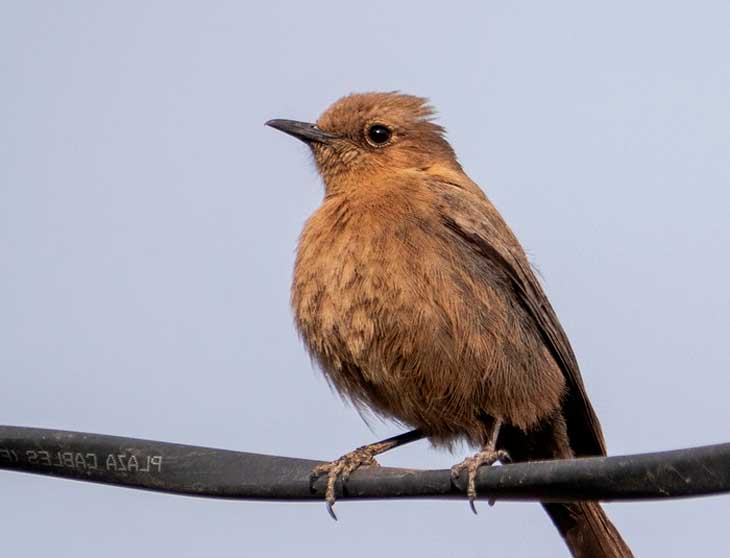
[(148, 223)]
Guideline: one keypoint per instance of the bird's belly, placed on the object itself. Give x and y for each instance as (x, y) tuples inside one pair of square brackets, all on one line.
[(426, 348)]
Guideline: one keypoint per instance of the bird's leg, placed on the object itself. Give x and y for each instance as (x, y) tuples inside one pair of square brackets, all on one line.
[(489, 455), (343, 467)]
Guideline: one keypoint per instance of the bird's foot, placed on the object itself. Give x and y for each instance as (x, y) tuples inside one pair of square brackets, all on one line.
[(471, 465), (342, 468)]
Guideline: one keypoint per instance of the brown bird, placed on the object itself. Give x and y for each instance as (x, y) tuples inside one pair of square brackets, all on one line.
[(418, 302)]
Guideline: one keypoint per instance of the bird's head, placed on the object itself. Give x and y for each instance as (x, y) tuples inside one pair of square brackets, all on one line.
[(366, 134)]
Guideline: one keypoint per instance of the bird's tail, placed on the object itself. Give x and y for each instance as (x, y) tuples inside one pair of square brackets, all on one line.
[(587, 531), (584, 526)]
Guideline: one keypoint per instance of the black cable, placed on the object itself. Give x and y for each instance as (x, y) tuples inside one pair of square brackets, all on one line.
[(216, 473)]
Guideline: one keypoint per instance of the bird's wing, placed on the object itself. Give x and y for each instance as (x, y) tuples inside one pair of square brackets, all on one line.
[(474, 220)]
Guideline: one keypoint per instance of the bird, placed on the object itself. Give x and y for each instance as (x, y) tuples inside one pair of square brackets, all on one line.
[(419, 304)]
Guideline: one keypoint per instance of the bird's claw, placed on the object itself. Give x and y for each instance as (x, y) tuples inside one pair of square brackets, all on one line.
[(341, 469), (472, 464), (331, 510)]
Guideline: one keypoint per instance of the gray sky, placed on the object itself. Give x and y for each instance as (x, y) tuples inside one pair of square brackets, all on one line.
[(148, 222)]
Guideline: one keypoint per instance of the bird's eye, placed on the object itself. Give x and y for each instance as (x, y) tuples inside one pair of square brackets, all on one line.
[(378, 134)]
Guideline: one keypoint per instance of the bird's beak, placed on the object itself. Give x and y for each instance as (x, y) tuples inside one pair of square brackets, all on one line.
[(301, 130)]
